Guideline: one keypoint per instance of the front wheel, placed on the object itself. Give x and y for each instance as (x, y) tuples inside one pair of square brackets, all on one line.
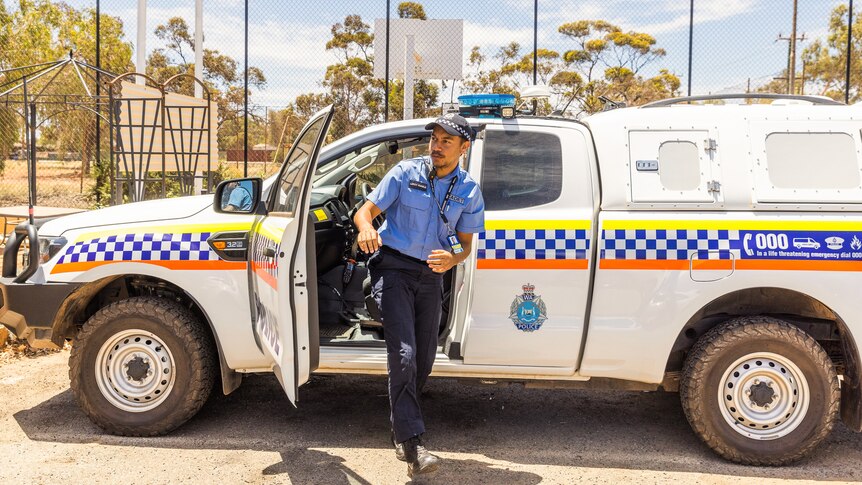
[(760, 391), (142, 366)]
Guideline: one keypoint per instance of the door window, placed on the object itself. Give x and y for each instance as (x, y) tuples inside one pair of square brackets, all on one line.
[(290, 181), (812, 161), (521, 169)]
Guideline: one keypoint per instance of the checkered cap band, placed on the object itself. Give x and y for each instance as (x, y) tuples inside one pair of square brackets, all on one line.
[(668, 244), (458, 128), (142, 247), (534, 244)]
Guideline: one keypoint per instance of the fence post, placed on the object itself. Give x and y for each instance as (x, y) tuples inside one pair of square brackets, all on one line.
[(32, 159), (386, 81), (535, 39), (245, 101), (100, 175), (690, 40), (849, 53)]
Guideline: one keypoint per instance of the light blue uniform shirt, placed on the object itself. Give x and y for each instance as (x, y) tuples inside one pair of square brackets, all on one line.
[(413, 224), (240, 198)]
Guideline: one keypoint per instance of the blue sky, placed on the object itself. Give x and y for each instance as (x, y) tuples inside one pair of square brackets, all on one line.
[(733, 39)]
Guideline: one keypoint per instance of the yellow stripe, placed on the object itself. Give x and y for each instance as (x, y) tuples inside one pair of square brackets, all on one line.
[(750, 225), (537, 224), (270, 230), (173, 229)]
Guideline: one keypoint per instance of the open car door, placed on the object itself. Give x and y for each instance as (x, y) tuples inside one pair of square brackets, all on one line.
[(282, 271)]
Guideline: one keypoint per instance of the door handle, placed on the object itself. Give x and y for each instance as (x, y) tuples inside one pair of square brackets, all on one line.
[(269, 252)]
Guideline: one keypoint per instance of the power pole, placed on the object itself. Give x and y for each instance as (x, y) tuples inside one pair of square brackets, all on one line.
[(791, 74), (791, 54)]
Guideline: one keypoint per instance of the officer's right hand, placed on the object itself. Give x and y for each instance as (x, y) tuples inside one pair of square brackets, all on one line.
[(369, 241)]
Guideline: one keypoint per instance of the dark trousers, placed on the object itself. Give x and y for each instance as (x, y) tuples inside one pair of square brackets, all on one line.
[(409, 296)]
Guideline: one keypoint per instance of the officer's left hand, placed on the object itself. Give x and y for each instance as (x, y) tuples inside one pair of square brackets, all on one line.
[(440, 261)]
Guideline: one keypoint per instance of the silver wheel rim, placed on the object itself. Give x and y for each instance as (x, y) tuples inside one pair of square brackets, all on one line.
[(135, 370), (763, 396)]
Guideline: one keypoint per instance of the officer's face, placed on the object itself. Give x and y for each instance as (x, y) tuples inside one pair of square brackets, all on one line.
[(446, 149)]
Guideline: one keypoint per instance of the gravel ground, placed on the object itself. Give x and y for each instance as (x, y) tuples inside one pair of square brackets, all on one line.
[(339, 435)]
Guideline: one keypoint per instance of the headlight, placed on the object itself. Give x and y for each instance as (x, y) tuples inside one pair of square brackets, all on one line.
[(49, 247)]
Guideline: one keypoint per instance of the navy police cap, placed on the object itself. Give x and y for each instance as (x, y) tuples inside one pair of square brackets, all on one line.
[(453, 124)]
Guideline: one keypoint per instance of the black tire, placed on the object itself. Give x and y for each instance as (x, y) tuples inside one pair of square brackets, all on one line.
[(719, 357), (175, 332)]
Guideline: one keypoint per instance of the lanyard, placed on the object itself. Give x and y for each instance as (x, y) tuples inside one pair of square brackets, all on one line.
[(442, 208)]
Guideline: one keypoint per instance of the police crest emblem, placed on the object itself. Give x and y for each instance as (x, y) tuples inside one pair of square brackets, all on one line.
[(528, 311)]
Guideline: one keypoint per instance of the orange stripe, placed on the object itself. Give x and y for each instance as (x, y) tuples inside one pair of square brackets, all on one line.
[(175, 265), (266, 277), (674, 264), (532, 264), (799, 265), (725, 264), (711, 264)]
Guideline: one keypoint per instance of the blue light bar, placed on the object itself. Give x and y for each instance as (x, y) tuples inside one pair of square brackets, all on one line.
[(485, 105), (488, 100)]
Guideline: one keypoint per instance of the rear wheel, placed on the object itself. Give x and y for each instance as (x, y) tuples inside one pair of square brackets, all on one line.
[(142, 366), (760, 391)]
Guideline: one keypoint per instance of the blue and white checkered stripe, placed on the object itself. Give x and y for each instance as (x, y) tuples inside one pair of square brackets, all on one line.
[(667, 243), (142, 247), (534, 244)]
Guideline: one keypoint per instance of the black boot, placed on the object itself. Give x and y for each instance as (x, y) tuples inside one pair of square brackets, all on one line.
[(399, 448), (419, 460)]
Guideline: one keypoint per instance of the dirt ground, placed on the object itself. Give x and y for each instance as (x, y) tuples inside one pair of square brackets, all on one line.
[(339, 432), (58, 184)]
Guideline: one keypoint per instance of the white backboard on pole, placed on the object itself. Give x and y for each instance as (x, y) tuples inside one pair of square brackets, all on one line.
[(438, 48)]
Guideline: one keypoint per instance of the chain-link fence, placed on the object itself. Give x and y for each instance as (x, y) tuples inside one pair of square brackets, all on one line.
[(302, 56)]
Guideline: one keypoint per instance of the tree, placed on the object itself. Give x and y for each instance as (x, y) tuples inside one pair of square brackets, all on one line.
[(825, 60), (604, 61), (350, 83), (411, 10), (424, 93), (43, 31), (221, 75)]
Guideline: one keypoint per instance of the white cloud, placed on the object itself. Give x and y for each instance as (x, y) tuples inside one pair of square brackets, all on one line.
[(704, 11), (654, 16), (493, 36)]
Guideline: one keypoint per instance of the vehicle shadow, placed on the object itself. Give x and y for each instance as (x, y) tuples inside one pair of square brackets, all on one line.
[(569, 428)]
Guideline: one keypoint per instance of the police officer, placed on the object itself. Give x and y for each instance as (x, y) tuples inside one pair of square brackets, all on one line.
[(433, 208)]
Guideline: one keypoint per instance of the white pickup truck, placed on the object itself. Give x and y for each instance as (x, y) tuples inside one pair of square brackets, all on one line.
[(640, 248)]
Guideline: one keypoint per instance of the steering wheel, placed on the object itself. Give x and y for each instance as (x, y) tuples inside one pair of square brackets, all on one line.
[(364, 189)]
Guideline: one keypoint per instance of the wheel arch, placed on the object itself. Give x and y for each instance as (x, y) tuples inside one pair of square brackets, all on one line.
[(799, 309), (84, 302)]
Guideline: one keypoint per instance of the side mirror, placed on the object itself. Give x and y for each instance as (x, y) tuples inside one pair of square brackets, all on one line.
[(242, 196)]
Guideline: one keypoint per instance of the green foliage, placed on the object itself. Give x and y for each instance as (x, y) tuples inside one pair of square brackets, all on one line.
[(351, 86), (411, 10), (9, 133), (825, 59), (603, 61), (100, 194), (222, 76), (41, 31)]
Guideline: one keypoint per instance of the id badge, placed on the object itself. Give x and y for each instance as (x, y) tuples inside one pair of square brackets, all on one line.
[(455, 244)]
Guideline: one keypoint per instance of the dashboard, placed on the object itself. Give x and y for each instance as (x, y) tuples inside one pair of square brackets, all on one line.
[(331, 212)]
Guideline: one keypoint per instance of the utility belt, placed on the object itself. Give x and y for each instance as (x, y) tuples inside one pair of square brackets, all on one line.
[(399, 254)]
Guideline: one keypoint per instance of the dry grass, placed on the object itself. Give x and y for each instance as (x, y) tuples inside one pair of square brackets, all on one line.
[(58, 184)]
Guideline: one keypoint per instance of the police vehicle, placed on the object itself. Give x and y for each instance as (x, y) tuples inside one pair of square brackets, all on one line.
[(712, 249)]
